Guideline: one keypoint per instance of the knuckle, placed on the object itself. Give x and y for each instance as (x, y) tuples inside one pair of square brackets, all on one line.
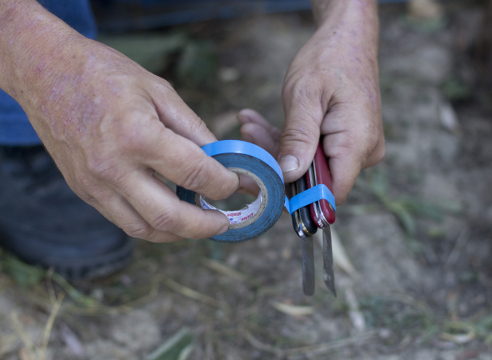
[(373, 141), (81, 192), (341, 199), (304, 88), (378, 154), (88, 189), (167, 221), (371, 144), (198, 126), (164, 85), (138, 230), (380, 151), (303, 133), (296, 92), (100, 167), (371, 137), (135, 137), (195, 176), (85, 182)]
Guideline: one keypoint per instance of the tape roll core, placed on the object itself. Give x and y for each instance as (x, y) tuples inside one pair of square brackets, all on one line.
[(255, 208)]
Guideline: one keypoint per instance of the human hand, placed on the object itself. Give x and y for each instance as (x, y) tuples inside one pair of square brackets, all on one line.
[(332, 89), (109, 125)]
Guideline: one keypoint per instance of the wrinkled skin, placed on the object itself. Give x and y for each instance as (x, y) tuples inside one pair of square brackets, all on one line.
[(332, 90), (109, 124)]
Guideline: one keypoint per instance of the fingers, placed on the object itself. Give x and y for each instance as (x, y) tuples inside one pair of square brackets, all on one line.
[(248, 186), (184, 163), (257, 135), (175, 153), (258, 131), (345, 167), (377, 155), (163, 213), (359, 145), (177, 116), (246, 116), (301, 133), (117, 209)]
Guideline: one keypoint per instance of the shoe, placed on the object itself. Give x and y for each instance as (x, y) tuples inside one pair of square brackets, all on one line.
[(44, 223)]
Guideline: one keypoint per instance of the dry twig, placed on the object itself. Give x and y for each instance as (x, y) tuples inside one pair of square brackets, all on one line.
[(310, 350), (224, 270), (195, 295), (49, 326)]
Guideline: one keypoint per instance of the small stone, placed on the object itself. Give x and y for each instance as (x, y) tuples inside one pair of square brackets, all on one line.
[(228, 74), (384, 333)]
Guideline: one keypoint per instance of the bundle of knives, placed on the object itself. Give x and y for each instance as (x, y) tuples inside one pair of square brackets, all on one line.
[(308, 219)]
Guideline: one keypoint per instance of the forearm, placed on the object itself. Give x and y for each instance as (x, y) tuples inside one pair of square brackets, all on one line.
[(328, 10), (353, 25), (33, 45), (352, 21)]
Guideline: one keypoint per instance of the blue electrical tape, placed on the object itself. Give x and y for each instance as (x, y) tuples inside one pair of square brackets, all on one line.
[(254, 220), (309, 196)]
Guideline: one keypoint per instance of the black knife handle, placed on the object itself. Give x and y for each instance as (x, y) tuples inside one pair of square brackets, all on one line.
[(303, 222)]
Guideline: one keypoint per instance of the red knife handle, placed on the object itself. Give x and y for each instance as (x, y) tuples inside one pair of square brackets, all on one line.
[(323, 176)]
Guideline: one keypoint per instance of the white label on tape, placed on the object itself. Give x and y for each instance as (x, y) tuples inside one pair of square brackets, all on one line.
[(237, 216)]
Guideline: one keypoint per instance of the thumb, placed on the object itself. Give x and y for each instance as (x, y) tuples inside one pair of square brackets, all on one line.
[(299, 139)]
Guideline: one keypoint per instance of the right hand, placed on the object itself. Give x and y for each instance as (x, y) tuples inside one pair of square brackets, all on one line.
[(109, 125)]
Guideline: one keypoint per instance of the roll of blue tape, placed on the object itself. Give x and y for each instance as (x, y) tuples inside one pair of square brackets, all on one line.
[(251, 160)]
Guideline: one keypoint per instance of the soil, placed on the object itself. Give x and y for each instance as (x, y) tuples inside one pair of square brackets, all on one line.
[(417, 227)]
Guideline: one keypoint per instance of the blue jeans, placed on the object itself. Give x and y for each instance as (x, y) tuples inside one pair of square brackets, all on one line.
[(15, 128)]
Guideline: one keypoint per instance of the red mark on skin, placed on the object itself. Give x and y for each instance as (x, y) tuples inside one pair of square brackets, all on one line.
[(40, 68), (72, 101)]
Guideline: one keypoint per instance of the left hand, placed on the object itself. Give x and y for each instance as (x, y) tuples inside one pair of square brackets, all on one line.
[(331, 89)]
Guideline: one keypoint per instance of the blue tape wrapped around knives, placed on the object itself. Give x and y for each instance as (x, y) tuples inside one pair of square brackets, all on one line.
[(259, 216)]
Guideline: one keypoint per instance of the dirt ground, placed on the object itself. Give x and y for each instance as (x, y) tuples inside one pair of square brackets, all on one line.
[(417, 227)]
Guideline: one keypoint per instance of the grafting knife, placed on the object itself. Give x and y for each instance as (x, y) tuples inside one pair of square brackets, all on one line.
[(323, 213), (305, 228)]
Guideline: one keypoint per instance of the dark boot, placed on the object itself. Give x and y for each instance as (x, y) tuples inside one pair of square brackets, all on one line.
[(44, 223)]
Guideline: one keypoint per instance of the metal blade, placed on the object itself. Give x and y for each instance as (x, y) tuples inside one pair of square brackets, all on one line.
[(307, 266), (328, 275)]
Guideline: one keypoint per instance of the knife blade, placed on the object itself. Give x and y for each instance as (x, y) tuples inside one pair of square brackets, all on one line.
[(328, 274), (323, 213), (308, 266)]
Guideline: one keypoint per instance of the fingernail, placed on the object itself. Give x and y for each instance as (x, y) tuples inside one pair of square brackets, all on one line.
[(223, 230), (247, 137), (288, 163), (243, 119)]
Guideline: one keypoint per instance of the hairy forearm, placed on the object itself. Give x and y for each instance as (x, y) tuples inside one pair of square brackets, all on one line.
[(326, 10), (352, 23), (33, 45)]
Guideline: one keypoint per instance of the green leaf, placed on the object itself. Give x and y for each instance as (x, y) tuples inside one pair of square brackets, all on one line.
[(178, 347), (403, 216), (24, 274), (73, 293), (379, 183), (455, 89)]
